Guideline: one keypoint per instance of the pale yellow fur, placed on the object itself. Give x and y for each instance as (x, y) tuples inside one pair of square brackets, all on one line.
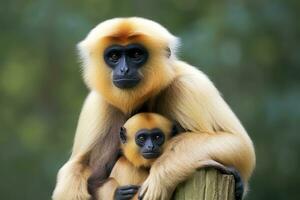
[(157, 76), (133, 168), (216, 134), (72, 185), (124, 173), (185, 94)]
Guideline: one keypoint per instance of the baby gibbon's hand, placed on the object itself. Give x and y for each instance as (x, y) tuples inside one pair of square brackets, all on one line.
[(126, 192)]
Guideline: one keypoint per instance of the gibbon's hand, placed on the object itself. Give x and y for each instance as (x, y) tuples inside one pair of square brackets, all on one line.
[(126, 192), (239, 185), (153, 189)]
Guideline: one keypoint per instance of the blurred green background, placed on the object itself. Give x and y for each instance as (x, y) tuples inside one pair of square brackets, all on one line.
[(250, 49)]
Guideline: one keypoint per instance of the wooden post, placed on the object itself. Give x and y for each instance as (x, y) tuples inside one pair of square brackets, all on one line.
[(206, 184)]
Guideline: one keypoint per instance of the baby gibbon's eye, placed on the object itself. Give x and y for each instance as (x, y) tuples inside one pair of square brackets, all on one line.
[(141, 139)]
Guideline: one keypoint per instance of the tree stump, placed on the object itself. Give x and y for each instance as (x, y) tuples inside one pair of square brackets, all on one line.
[(206, 184)]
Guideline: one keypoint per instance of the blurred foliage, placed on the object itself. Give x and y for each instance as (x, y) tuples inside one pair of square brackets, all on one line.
[(250, 49)]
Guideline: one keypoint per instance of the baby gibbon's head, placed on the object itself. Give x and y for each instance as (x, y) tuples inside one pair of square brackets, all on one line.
[(143, 137)]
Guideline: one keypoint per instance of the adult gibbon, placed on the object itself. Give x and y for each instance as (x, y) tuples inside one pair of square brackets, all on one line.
[(130, 66), (143, 138)]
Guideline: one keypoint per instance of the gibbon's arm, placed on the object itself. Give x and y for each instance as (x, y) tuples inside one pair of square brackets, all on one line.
[(93, 124), (216, 135), (107, 190), (72, 181), (111, 190), (127, 174), (123, 181)]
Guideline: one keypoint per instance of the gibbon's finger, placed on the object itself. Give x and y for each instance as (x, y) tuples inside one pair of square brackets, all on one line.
[(239, 185), (128, 191), (126, 187), (151, 190), (123, 195)]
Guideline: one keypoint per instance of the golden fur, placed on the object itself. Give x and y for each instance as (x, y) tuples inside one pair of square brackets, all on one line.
[(136, 123), (132, 168), (123, 173), (170, 87), (125, 31)]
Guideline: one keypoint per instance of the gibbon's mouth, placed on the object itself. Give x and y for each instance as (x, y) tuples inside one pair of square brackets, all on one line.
[(125, 83), (150, 155)]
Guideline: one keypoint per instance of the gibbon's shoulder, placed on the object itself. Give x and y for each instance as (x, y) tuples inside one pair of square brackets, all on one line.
[(191, 77)]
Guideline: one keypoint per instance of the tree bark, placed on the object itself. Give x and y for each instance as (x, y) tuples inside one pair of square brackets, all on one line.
[(206, 184)]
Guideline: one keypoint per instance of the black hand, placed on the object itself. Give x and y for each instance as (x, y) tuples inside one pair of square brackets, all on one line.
[(126, 192), (239, 185)]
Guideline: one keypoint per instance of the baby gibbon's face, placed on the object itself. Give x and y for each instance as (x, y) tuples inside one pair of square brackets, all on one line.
[(150, 142)]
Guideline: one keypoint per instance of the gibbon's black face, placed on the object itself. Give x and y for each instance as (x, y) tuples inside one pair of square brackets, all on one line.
[(149, 141), (125, 62)]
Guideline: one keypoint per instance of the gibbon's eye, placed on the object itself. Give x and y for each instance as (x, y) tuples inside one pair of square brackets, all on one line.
[(141, 139), (157, 137), (135, 53), (114, 56)]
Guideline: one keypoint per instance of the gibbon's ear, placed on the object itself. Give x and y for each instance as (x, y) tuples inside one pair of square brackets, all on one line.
[(168, 52), (174, 130), (123, 136)]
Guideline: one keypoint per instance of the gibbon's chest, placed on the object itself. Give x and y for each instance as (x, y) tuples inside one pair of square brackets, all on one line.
[(127, 174), (152, 105), (159, 105)]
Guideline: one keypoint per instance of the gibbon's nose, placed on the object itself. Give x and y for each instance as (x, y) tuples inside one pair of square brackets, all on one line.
[(149, 146), (124, 69)]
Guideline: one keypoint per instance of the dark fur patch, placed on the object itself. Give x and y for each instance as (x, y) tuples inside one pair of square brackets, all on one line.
[(105, 154)]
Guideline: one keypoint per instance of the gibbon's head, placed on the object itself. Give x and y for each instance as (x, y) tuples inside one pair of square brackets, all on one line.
[(128, 60), (143, 137)]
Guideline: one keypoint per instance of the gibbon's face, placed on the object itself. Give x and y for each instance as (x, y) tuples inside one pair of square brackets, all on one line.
[(148, 141), (125, 62), (128, 60), (144, 136)]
